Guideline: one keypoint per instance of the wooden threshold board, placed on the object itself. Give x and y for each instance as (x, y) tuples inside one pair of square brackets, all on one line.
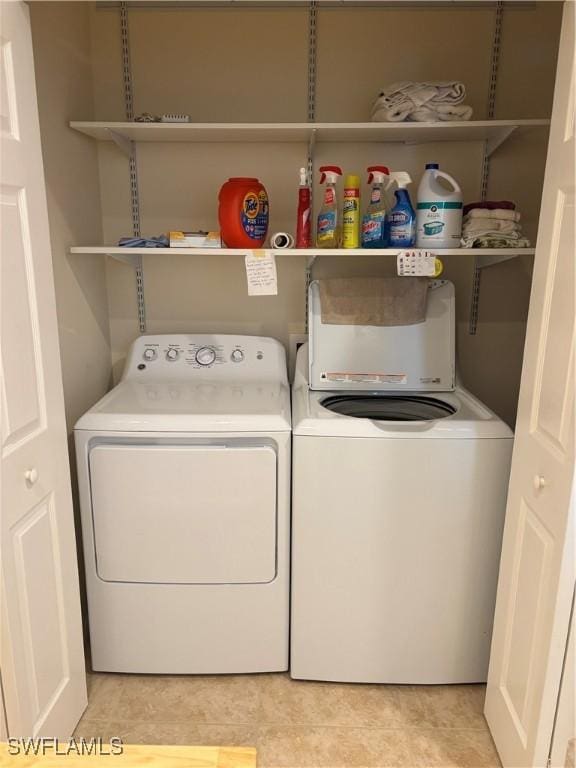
[(138, 756)]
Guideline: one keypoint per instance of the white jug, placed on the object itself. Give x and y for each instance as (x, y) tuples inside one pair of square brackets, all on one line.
[(439, 211)]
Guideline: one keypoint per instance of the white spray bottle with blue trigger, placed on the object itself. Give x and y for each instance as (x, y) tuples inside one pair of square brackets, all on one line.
[(402, 218)]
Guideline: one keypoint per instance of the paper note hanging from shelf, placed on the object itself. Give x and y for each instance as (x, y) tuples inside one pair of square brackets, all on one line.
[(261, 273), (418, 262)]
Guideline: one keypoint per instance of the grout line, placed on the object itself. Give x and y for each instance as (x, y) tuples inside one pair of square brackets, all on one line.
[(276, 724)]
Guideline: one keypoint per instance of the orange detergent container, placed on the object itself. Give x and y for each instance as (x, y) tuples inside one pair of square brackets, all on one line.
[(243, 213)]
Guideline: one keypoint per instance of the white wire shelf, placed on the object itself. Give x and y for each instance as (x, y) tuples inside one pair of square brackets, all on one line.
[(494, 132), (484, 256)]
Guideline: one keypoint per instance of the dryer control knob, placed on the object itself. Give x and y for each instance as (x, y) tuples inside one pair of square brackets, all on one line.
[(172, 354), (205, 356), (237, 356), (150, 354)]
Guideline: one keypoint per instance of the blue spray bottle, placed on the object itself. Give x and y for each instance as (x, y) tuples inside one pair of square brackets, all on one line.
[(402, 218)]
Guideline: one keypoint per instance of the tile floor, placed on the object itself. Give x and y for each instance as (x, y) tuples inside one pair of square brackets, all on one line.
[(297, 724)]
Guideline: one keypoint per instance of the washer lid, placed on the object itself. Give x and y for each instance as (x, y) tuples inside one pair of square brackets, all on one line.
[(384, 358), (184, 406), (389, 407)]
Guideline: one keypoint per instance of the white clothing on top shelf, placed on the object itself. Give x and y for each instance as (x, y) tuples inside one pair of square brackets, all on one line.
[(406, 100), (441, 112)]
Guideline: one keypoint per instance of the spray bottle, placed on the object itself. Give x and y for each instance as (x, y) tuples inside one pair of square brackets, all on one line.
[(374, 228), (351, 212), (303, 238), (402, 218), (328, 226)]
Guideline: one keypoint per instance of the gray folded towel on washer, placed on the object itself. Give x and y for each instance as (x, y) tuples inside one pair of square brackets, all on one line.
[(373, 300)]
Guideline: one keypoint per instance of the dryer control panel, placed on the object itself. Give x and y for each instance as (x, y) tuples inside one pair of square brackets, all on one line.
[(210, 356)]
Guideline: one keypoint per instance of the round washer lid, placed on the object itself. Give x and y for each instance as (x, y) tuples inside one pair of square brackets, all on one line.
[(389, 407)]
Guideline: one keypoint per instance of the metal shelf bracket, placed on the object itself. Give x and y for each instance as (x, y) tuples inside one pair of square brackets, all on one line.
[(121, 141), (488, 261), (493, 144)]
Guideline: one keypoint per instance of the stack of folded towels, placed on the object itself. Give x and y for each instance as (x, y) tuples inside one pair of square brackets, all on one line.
[(421, 102), (492, 224)]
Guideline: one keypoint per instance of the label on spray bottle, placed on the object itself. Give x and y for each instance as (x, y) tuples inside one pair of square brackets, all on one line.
[(401, 229), (373, 221), (326, 226), (372, 226)]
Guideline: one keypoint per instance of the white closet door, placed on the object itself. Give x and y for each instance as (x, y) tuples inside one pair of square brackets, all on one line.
[(42, 658), (563, 752), (537, 568)]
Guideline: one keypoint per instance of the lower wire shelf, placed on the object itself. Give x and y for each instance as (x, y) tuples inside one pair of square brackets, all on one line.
[(485, 257)]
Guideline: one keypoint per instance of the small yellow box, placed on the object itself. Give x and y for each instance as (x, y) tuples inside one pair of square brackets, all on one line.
[(195, 239)]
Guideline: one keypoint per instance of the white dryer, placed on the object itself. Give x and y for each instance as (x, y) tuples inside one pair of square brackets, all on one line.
[(184, 478), (398, 505)]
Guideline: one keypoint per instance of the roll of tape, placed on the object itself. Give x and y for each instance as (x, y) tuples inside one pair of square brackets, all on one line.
[(282, 240)]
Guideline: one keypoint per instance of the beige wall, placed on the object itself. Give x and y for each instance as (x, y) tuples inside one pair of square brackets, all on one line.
[(250, 65), (62, 53)]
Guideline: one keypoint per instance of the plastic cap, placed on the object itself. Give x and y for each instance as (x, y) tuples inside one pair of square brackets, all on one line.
[(432, 166), (303, 177), (352, 181)]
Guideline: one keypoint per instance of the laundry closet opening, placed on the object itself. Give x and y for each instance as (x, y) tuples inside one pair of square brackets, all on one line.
[(289, 526)]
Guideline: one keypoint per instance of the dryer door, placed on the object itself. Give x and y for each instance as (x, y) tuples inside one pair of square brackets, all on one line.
[(184, 514)]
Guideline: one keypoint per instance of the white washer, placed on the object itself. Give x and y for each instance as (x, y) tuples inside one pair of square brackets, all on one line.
[(398, 506), (184, 477)]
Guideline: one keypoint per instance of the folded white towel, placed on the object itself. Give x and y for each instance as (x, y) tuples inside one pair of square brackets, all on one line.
[(475, 226), (427, 114), (394, 114), (438, 91), (493, 233), (441, 112), (405, 100), (492, 213)]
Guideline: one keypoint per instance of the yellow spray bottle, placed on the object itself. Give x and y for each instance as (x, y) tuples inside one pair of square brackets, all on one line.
[(351, 212), (328, 227)]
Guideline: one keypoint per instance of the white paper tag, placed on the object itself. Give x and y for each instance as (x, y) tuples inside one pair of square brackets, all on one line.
[(261, 273), (416, 262)]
